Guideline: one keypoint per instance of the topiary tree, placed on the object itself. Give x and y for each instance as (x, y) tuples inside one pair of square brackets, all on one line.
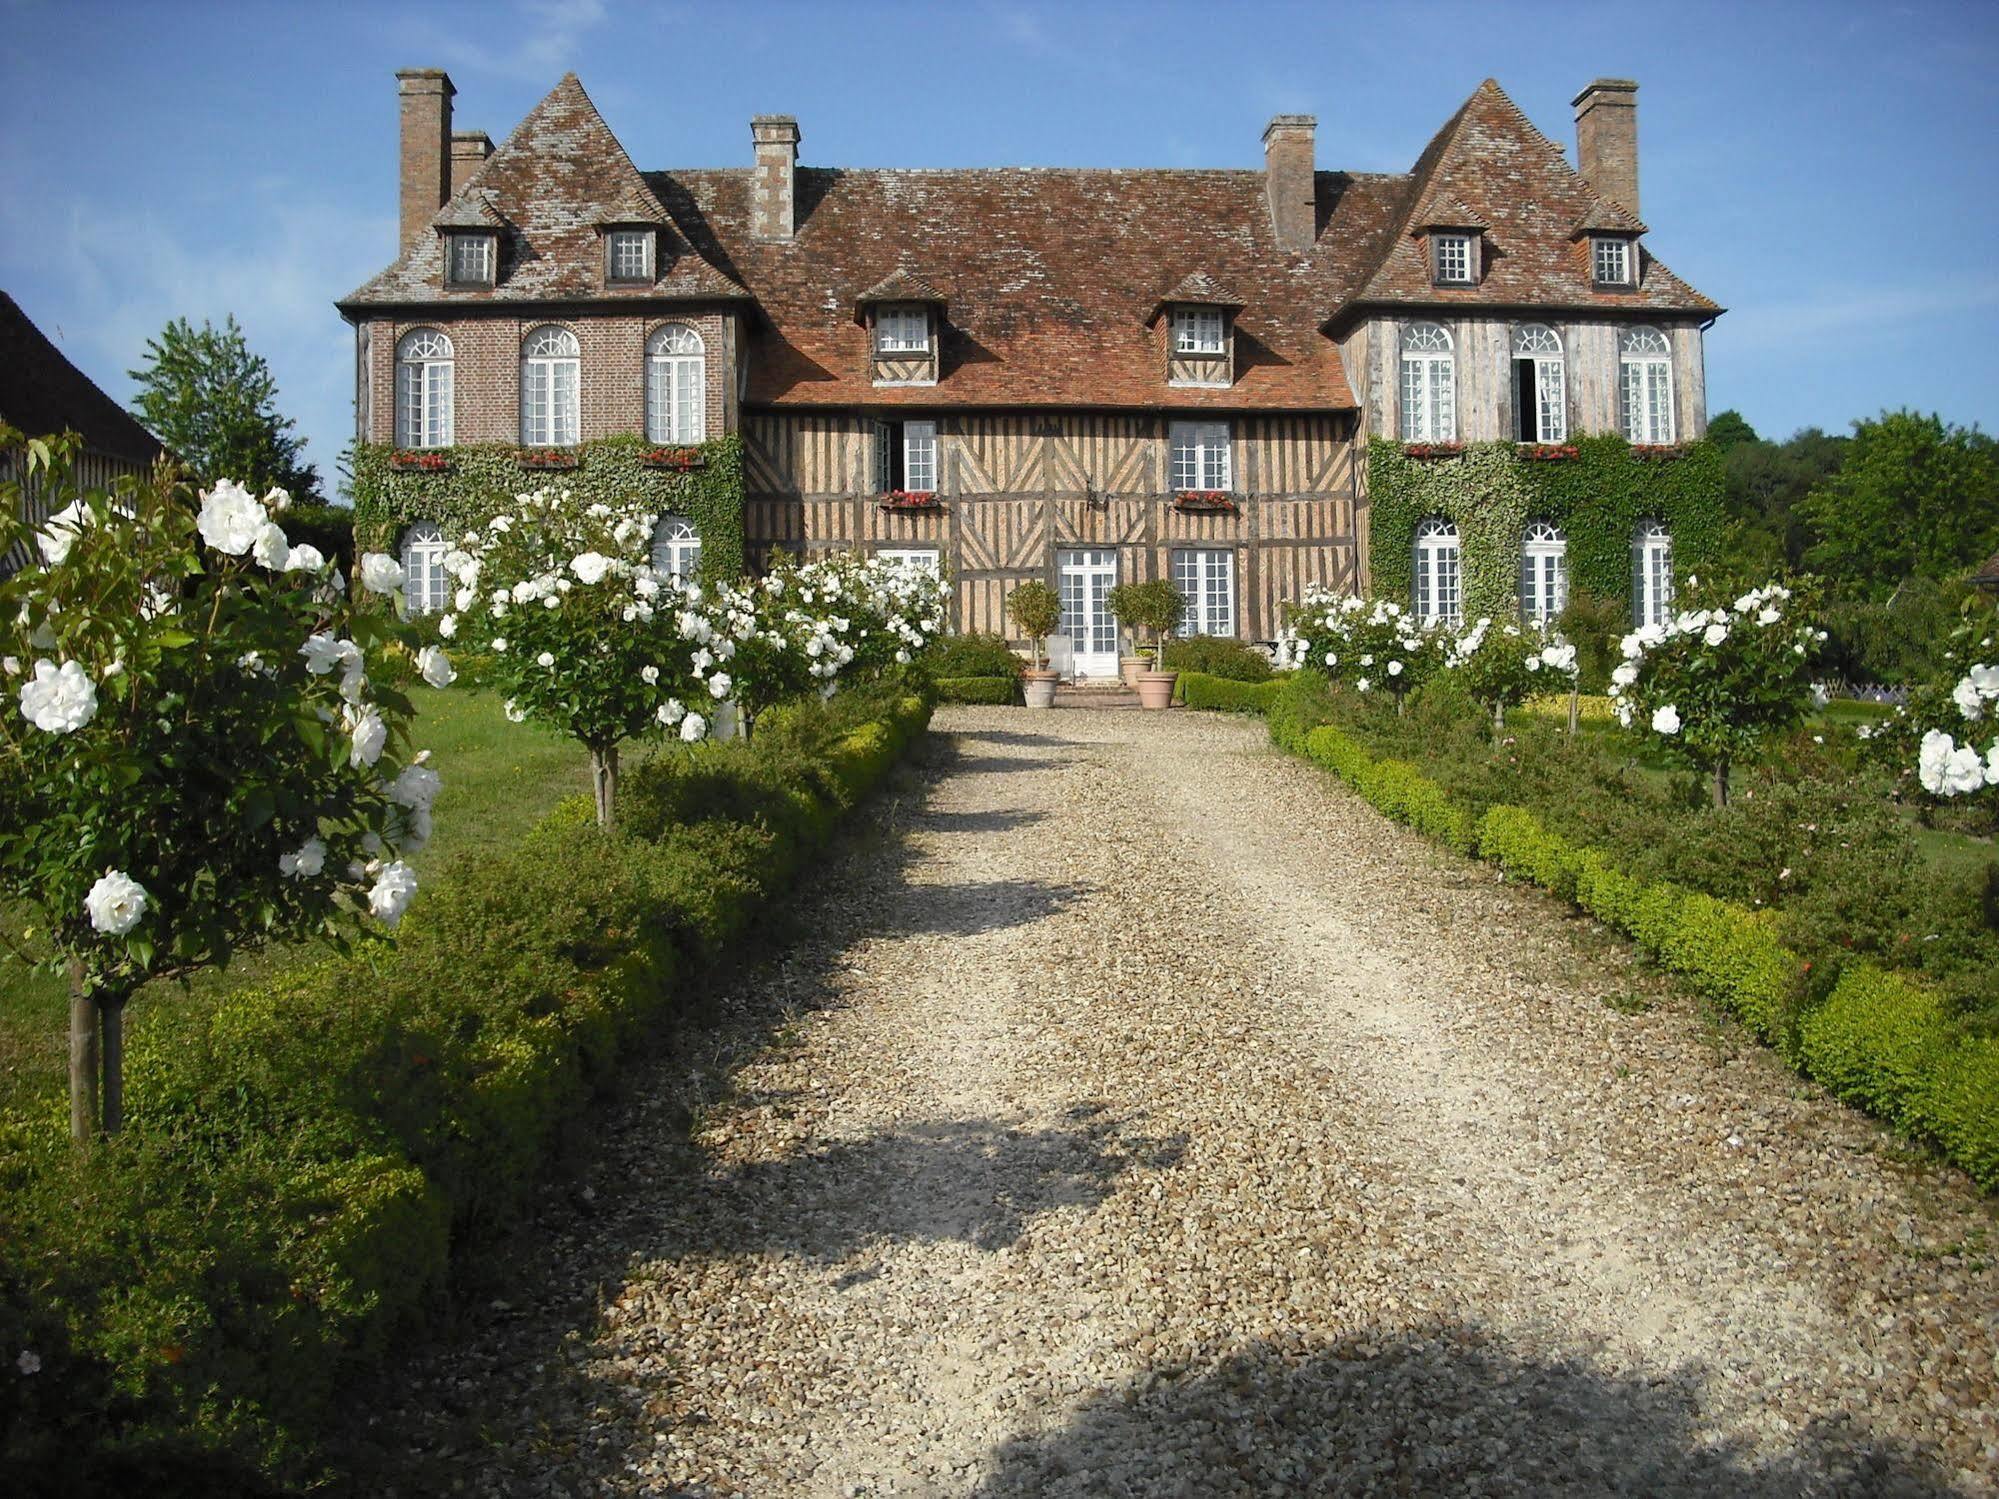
[(195, 762), (1037, 609), (1711, 684), (1154, 607)]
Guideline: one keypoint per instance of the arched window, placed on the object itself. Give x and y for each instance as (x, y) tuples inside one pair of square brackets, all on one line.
[(550, 372), (423, 390), (1429, 385), (1540, 389), (1645, 385), (426, 586), (676, 385), (1437, 573), (1651, 574), (1544, 573), (676, 547)]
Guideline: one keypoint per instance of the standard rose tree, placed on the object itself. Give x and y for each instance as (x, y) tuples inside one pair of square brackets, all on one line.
[(1373, 644), (1501, 665), (194, 760)]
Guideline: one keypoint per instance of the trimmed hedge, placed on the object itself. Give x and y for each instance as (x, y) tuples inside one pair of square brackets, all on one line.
[(1218, 656), (1225, 695), (306, 1158), (1880, 1041), (995, 691)]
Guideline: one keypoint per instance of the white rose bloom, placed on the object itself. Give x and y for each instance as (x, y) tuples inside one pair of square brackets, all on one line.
[(1395, 668), (1666, 720), (1970, 702), (61, 532), (464, 599), (590, 567), (719, 684), (1945, 768), (525, 592), (322, 653), (448, 626), (1769, 616), (515, 713), (1992, 764), (1715, 634), (435, 667), (416, 787), (1631, 647), (671, 712), (1362, 685), (367, 734), (693, 727), (499, 645), (546, 658), (649, 675), (551, 601), (59, 701), (116, 903), (11, 665), (1332, 659), (1820, 697), (381, 573), (306, 863), (230, 518), (394, 888), (271, 549), (1985, 679), (305, 558), (278, 500)]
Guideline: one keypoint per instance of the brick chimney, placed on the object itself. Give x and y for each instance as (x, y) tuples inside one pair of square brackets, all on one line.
[(469, 150), (1289, 180), (774, 193), (425, 94), (1607, 139)]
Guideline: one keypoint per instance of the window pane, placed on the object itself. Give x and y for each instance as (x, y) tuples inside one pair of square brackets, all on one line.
[(919, 457), (1550, 398)]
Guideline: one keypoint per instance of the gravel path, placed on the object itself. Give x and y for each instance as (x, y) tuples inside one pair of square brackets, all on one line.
[(1157, 1119)]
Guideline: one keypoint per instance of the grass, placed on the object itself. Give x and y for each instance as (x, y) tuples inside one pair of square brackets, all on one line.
[(499, 778)]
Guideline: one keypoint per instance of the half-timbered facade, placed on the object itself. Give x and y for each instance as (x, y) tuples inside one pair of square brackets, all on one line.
[(1083, 376)]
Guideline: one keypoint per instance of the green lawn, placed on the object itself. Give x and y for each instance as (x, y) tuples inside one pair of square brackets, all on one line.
[(499, 778)]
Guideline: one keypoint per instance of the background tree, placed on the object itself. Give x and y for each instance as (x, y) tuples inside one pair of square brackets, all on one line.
[(213, 402), (1766, 482), (1729, 430)]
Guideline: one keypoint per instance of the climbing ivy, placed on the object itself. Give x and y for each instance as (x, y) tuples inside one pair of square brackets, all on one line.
[(1491, 492), (483, 477)]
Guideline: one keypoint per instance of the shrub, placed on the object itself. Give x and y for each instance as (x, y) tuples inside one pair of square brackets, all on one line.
[(971, 655), (1220, 694), (1874, 1039), (1218, 656), (992, 691)]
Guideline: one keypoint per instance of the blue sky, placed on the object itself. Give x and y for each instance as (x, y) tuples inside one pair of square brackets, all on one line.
[(1828, 172)]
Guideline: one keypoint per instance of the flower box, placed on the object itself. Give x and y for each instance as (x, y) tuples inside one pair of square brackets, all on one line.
[(419, 461), (1657, 452), (676, 460), (911, 499), (1549, 452), (544, 460), (1205, 501), (1434, 449)]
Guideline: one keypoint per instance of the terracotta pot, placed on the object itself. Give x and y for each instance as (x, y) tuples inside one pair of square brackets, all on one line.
[(1155, 688), (1038, 688), (1130, 666)]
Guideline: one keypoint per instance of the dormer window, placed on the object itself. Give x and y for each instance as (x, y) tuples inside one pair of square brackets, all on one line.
[(1199, 330), (628, 256), (1455, 259), (470, 259), (903, 329), (1611, 260)]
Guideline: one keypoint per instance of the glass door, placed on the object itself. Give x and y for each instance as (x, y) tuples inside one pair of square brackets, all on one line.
[(1087, 577)]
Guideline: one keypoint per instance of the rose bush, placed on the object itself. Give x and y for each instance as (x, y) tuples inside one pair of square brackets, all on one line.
[(1501, 665), (194, 760), (1374, 644)]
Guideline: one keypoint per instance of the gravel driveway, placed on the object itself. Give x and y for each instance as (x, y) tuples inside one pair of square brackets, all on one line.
[(1154, 1118)]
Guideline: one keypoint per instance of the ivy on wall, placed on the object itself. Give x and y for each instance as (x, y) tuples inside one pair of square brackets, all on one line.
[(483, 478), (1491, 492)]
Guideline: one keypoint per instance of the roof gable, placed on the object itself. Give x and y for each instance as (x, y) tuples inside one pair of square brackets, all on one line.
[(41, 392)]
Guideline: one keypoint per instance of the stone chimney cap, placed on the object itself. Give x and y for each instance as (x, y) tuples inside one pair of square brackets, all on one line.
[(1290, 122), (775, 127), (1606, 86), (412, 80)]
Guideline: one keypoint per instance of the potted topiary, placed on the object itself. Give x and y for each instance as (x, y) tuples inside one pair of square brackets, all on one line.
[(1156, 608), (1037, 609)]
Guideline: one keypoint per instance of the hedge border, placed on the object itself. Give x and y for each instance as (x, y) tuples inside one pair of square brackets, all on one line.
[(1213, 694), (997, 692)]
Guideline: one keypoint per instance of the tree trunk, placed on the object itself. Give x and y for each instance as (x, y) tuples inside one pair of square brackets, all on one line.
[(112, 1009), (1498, 719), (1720, 783), (1575, 708), (83, 1059), (604, 781)]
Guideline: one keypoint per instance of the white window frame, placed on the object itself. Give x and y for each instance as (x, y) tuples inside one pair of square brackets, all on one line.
[(919, 457), (1429, 404), (1439, 573), (676, 547), (676, 385), (1200, 330), (1205, 577), (479, 250), (1200, 457), (1544, 573), (424, 359), (1651, 574), (930, 559), (1456, 261), (1645, 386), (902, 328), (551, 388), (617, 262), (1612, 252), (1542, 345), (426, 585)]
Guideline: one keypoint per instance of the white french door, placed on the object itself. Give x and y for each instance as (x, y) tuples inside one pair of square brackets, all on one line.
[(1087, 577)]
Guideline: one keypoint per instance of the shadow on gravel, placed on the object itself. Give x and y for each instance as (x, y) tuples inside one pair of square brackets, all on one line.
[(1000, 765), (981, 822), (1447, 1410), (1009, 736), (987, 906)]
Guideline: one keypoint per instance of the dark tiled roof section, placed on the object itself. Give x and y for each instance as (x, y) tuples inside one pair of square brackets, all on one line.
[(1198, 288), (1053, 274), (901, 285), (42, 393), (1606, 217), (1490, 159), (556, 182)]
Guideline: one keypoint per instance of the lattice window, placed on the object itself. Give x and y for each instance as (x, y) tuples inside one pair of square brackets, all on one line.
[(551, 372), (1651, 573), (1200, 456), (925, 558), (1206, 580), (1429, 385), (902, 330), (1611, 260), (630, 254), (1437, 573), (1540, 386), (676, 547), (1454, 258), (919, 457), (1544, 573), (676, 385), (471, 259), (1198, 330), (1645, 385), (423, 389), (426, 586)]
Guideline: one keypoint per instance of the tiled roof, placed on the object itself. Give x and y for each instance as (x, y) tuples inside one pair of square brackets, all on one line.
[(1606, 217), (41, 392), (1197, 288), (1490, 159), (471, 209), (901, 285)]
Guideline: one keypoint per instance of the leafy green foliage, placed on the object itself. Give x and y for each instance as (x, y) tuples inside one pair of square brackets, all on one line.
[(996, 692), (1037, 610), (971, 655), (1154, 606), (214, 404), (1227, 695), (1218, 656)]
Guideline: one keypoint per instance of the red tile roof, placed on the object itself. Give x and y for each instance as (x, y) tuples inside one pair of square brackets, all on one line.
[(1053, 275)]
